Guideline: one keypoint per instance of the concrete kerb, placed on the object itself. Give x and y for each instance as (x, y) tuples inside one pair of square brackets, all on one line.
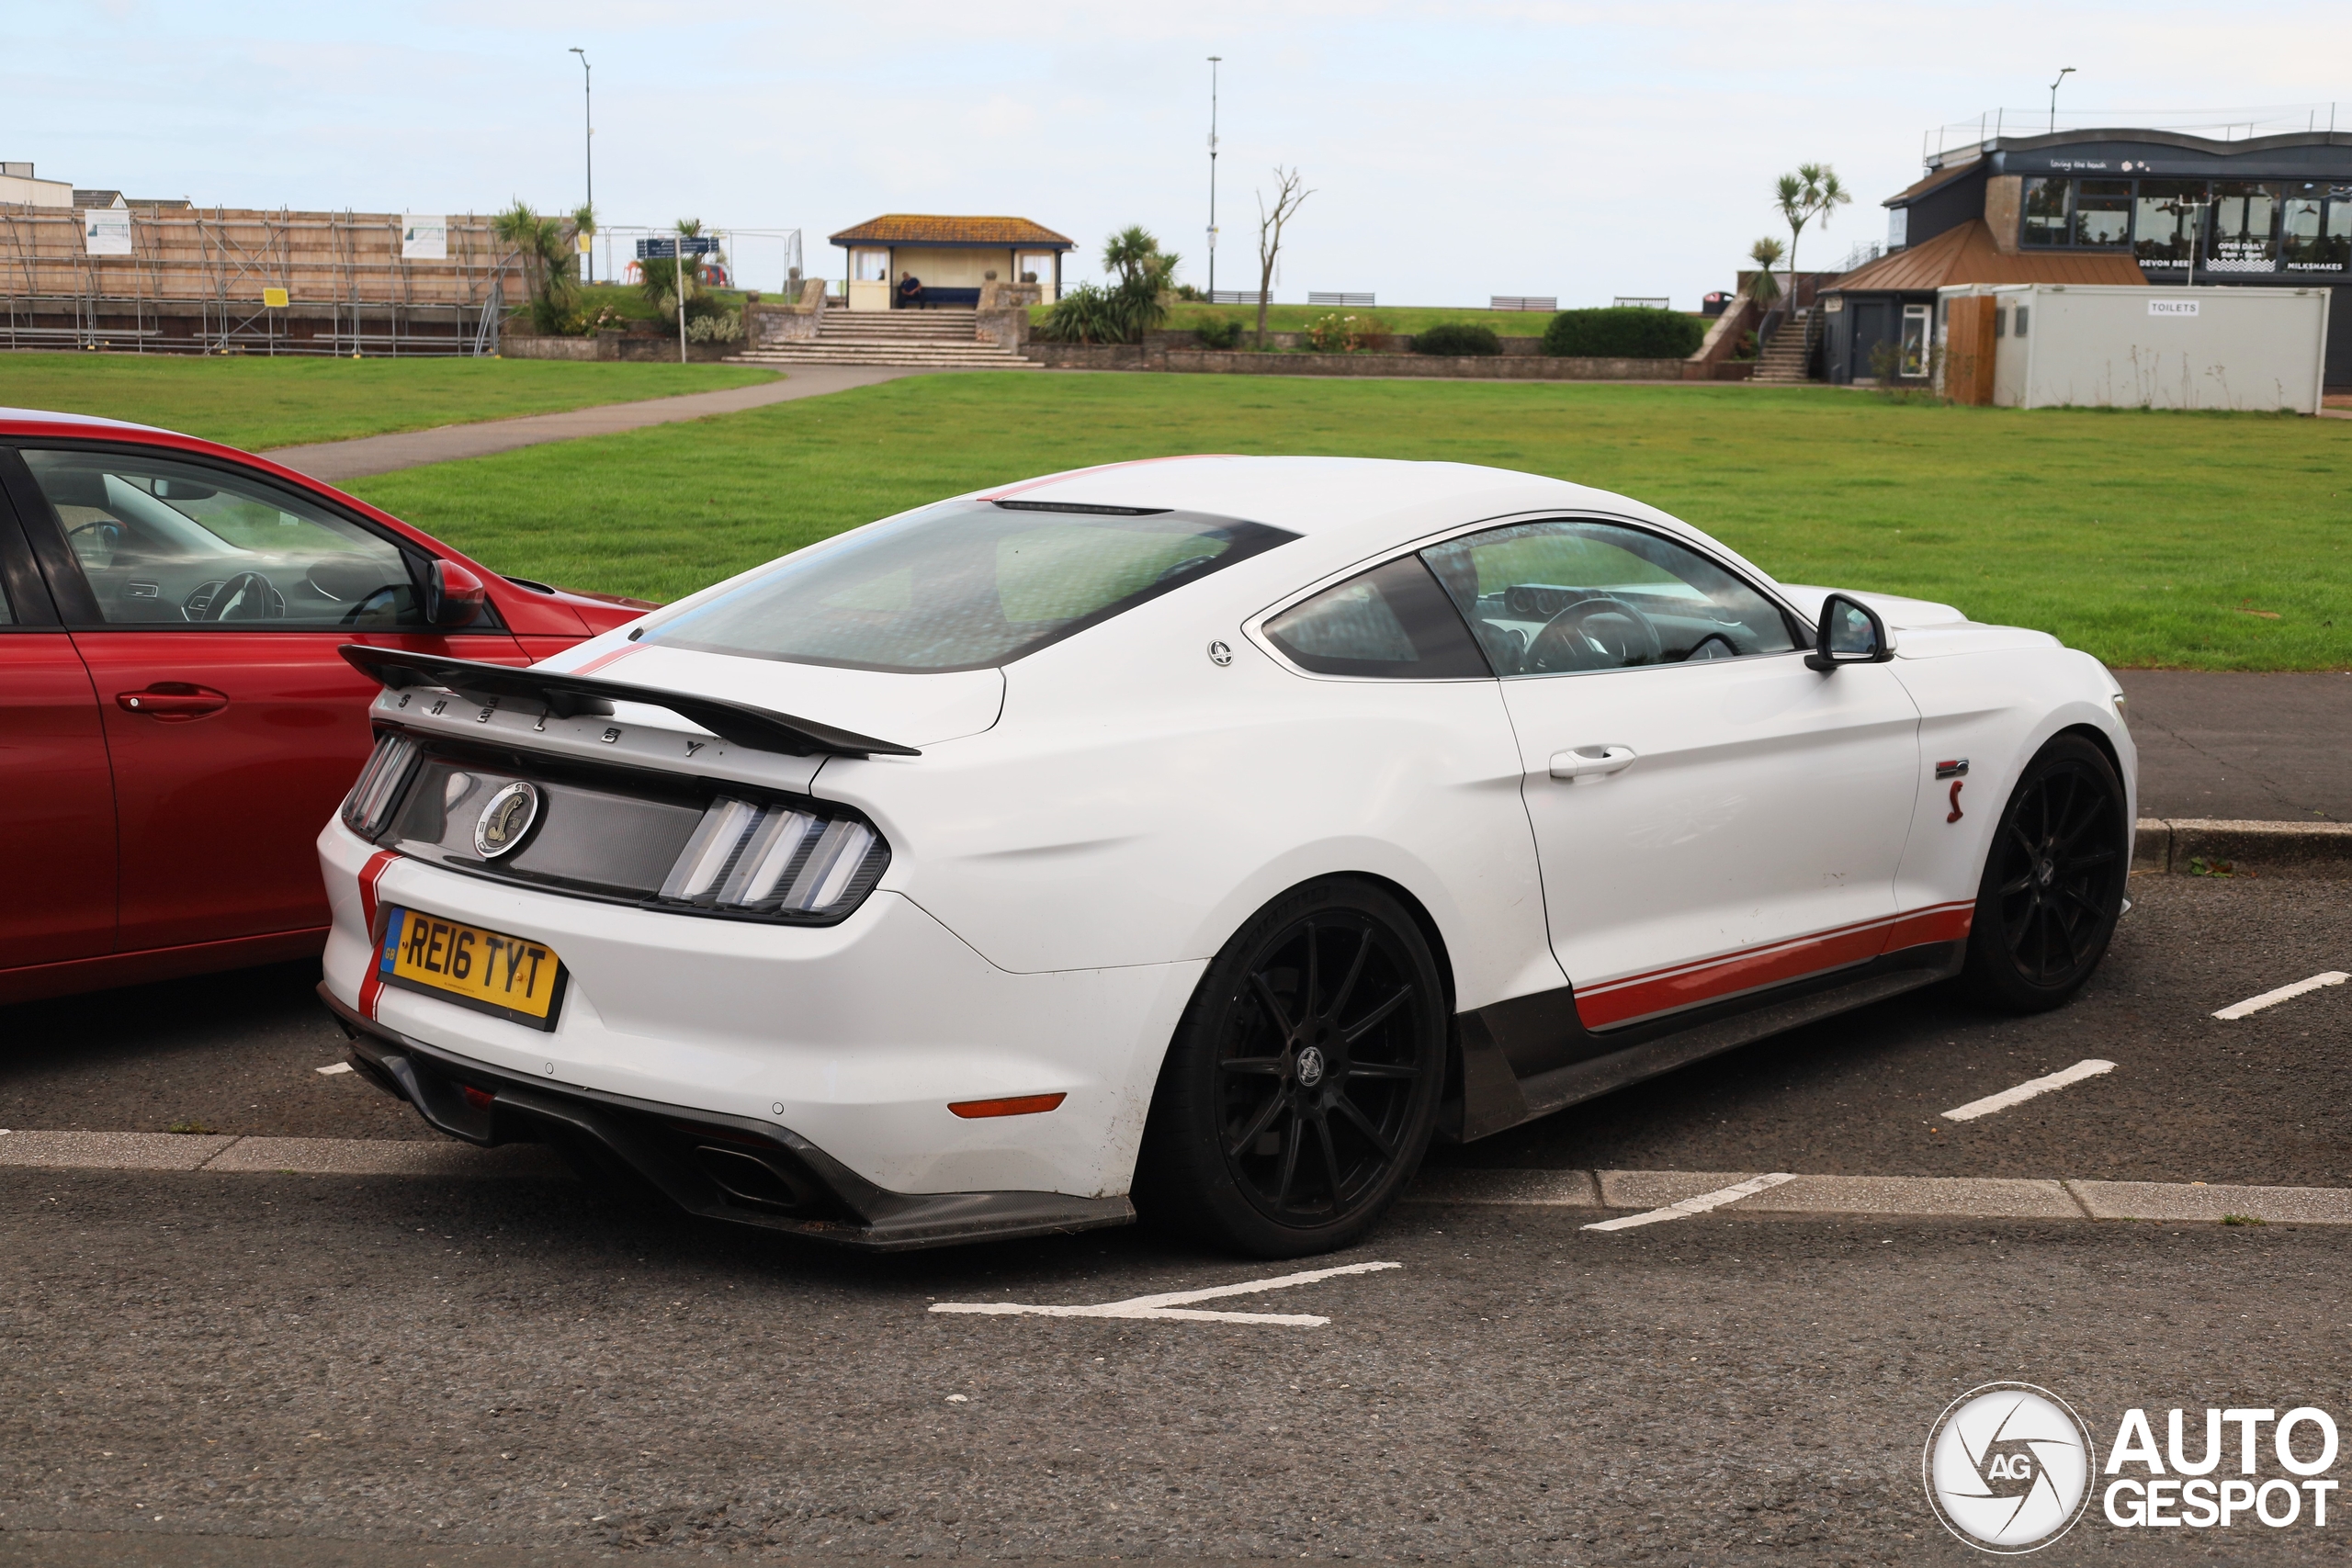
[(1852, 1197), (2168, 845)]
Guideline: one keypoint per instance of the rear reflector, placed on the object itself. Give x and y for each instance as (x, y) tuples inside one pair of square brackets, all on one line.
[(1017, 1105)]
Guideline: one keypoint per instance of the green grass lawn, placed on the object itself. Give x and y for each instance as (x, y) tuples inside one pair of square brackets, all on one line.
[(2202, 541), (259, 401)]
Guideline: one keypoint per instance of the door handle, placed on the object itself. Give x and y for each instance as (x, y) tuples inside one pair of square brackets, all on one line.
[(1587, 764), (171, 700)]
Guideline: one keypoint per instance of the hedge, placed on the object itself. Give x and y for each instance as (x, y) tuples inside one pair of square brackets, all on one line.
[(1457, 338), (1630, 331)]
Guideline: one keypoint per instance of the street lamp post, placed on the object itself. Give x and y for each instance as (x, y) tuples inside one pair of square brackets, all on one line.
[(588, 146), (2063, 74), (1214, 59)]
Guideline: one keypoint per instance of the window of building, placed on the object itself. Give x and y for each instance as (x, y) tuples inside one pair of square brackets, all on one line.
[(869, 266), (2164, 221), (2245, 228), (1393, 623), (2102, 212), (1556, 598), (1914, 358), (2045, 212), (2315, 233)]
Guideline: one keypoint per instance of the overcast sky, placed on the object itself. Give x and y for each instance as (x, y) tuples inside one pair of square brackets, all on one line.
[(1455, 150)]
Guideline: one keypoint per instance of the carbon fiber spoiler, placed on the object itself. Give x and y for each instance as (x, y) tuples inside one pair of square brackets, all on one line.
[(738, 724)]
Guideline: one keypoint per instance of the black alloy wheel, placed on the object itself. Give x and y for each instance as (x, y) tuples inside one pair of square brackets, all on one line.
[(2054, 880), (1302, 1087)]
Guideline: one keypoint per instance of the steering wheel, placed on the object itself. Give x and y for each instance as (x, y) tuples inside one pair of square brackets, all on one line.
[(1594, 633), (248, 596)]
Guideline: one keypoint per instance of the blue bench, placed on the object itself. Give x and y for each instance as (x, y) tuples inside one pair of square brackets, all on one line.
[(937, 296)]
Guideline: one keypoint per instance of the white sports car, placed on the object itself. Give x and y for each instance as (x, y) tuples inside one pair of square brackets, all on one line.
[(1198, 837)]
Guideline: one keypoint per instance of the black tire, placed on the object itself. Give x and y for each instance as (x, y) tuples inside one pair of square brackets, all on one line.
[(1302, 1086), (2054, 880)]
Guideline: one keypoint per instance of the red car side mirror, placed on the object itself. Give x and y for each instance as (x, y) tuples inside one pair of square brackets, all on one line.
[(453, 596)]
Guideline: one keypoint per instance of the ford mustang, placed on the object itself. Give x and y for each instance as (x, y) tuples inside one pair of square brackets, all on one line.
[(1197, 838)]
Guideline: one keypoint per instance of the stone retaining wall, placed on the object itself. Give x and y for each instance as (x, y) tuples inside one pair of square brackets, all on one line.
[(1241, 362), (638, 348)]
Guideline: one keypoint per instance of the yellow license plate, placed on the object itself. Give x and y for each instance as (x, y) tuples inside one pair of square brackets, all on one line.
[(510, 975)]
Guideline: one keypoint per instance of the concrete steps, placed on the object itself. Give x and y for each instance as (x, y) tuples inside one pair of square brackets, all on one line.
[(948, 340), (1787, 356)]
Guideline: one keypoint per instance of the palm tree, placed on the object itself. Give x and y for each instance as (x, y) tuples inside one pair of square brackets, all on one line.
[(548, 257), (1814, 191), (1762, 289)]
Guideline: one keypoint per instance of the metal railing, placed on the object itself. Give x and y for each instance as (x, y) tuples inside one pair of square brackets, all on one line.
[(1522, 302), (1345, 301), (2226, 124)]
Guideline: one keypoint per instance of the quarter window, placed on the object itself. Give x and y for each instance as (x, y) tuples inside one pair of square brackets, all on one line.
[(1393, 623), (172, 543), (1555, 598)]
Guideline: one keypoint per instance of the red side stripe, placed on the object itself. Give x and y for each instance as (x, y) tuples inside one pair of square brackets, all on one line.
[(1641, 995), (371, 980), (611, 656)]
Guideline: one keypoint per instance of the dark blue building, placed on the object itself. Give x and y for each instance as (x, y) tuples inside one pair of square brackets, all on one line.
[(2106, 205)]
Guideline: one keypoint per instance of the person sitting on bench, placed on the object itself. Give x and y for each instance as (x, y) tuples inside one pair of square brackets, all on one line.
[(910, 290)]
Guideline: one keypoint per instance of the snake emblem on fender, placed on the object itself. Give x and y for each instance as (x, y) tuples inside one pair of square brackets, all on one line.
[(1954, 768)]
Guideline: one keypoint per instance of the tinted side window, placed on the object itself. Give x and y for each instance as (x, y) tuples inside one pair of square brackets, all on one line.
[(1393, 622), (175, 543), (1553, 598)]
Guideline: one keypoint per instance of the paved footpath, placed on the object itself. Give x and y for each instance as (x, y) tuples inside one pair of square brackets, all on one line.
[(335, 461), (2254, 748)]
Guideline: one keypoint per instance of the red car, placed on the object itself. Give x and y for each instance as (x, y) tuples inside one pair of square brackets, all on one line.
[(174, 721)]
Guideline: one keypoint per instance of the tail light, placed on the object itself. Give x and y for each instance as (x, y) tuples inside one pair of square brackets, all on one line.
[(761, 858), (369, 804)]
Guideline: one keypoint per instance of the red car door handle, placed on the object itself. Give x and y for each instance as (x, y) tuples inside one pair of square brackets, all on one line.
[(172, 699)]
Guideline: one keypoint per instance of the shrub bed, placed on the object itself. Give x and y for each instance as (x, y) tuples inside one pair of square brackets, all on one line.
[(1457, 338), (1630, 331)]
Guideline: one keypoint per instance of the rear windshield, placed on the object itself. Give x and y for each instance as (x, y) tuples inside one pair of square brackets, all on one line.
[(963, 585)]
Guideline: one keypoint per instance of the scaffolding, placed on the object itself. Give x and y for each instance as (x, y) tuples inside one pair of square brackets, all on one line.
[(201, 280)]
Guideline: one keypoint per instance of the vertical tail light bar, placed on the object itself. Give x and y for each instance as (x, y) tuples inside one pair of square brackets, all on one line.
[(788, 862), (369, 804)]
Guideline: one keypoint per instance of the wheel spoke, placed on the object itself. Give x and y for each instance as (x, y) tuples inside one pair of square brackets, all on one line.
[(1382, 1070), (1290, 1159), (1355, 1113), (1252, 1065), (2012, 888), (1266, 999), (1264, 1120), (2025, 844), (2097, 857), (1313, 974), (1355, 972), (1331, 1155), (1363, 1026)]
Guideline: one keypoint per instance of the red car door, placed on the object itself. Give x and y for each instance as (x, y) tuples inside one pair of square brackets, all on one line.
[(56, 795), (207, 601)]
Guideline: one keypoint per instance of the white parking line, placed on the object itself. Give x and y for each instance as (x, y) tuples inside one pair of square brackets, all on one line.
[(2088, 1068), (1699, 1205), (2284, 993), (1169, 1304)]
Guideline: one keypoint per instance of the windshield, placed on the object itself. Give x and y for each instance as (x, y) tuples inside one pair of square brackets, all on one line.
[(963, 585)]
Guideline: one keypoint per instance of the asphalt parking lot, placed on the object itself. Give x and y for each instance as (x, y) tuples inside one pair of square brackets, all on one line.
[(512, 1370)]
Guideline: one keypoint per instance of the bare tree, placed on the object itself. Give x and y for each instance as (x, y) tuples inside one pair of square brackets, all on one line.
[(1288, 198)]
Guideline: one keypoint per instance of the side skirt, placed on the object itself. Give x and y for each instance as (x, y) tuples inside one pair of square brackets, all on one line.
[(1493, 1097)]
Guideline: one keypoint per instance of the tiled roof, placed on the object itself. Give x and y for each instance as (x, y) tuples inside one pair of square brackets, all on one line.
[(1967, 254), (926, 228)]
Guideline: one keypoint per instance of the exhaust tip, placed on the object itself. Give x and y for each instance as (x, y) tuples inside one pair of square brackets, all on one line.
[(754, 1181)]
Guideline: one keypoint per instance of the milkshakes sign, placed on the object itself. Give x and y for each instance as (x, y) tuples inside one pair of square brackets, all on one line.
[(2009, 1468)]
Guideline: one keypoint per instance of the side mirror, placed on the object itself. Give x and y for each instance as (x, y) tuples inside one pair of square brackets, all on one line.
[(453, 596), (1851, 633)]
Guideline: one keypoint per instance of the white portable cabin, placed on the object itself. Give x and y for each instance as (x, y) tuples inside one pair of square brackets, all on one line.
[(2101, 345)]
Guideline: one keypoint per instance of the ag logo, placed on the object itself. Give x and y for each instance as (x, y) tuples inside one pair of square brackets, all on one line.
[(2008, 1467), (506, 820)]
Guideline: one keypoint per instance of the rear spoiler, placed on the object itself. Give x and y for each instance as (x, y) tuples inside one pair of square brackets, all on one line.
[(565, 696)]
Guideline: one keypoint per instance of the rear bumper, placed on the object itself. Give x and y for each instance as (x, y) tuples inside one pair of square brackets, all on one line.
[(719, 1166)]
